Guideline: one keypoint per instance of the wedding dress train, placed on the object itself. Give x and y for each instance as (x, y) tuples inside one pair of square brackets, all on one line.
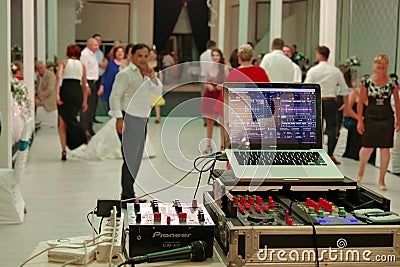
[(105, 144)]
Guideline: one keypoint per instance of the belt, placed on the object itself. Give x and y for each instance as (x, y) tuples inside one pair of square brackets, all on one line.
[(328, 98)]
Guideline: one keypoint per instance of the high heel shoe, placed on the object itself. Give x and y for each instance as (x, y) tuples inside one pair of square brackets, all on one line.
[(64, 155), (208, 150), (383, 187)]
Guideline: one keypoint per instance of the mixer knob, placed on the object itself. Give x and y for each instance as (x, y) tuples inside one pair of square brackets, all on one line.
[(157, 216), (138, 217), (235, 200), (183, 216), (200, 216), (289, 222)]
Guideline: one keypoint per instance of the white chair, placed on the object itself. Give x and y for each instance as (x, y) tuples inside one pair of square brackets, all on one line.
[(12, 204)]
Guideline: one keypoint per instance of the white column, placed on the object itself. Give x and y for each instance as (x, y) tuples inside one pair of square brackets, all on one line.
[(275, 15), (221, 24), (5, 92), (52, 29), (134, 22), (243, 22), (28, 47), (327, 27), (41, 29)]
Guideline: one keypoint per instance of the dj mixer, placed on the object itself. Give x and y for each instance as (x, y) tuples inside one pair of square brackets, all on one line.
[(155, 227)]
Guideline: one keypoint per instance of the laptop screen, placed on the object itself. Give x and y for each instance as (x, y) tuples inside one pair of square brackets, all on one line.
[(273, 116)]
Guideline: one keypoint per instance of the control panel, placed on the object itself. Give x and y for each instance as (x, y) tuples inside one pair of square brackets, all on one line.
[(156, 226), (277, 209)]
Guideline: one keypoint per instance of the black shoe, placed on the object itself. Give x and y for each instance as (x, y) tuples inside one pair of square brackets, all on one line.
[(64, 155), (97, 121)]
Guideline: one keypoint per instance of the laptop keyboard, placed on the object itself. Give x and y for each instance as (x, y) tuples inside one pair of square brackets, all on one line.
[(279, 158)]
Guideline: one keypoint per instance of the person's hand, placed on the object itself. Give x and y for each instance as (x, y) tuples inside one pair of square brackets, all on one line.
[(149, 72), (209, 87), (84, 106), (100, 92), (120, 125), (360, 127), (398, 126), (59, 102), (341, 108), (88, 90)]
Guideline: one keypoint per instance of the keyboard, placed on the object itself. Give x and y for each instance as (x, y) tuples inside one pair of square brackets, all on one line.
[(279, 158)]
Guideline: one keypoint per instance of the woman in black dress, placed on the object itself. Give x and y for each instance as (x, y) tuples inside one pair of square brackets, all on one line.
[(353, 143), (71, 98), (377, 123)]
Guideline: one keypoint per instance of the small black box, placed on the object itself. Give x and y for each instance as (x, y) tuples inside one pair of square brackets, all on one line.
[(105, 206)]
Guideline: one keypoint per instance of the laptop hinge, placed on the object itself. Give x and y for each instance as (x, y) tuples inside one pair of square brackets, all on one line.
[(286, 187)]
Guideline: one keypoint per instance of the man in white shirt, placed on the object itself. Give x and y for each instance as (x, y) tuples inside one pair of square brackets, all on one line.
[(287, 50), (102, 63), (205, 57), (278, 67), (88, 58), (328, 77), (130, 105)]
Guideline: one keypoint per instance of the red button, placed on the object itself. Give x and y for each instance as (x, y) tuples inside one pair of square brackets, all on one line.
[(182, 216), (157, 216)]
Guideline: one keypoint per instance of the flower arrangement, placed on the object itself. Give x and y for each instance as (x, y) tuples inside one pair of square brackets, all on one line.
[(20, 94), (298, 58), (352, 62)]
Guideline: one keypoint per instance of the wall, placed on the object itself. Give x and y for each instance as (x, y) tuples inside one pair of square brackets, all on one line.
[(374, 29), (124, 20), (113, 25), (66, 26)]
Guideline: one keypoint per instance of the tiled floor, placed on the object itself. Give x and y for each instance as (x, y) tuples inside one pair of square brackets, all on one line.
[(58, 195)]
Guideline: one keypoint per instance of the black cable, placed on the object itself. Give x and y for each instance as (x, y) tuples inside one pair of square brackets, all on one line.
[(175, 183), (314, 233), (122, 264), (213, 160), (87, 217), (101, 222)]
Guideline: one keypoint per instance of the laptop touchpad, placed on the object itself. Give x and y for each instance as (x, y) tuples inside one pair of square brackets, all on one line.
[(288, 172)]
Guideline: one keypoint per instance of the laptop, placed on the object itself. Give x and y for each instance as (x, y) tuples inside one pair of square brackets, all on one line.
[(275, 132)]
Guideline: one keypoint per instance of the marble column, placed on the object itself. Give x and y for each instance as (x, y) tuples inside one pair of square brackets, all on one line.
[(327, 27), (243, 22), (221, 24), (5, 93), (41, 30), (275, 15), (52, 20), (142, 22), (28, 48)]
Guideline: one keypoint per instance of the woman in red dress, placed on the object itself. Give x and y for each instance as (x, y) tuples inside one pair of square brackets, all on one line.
[(246, 72), (215, 77)]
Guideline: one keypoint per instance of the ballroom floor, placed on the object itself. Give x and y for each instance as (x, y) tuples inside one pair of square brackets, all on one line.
[(58, 194)]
